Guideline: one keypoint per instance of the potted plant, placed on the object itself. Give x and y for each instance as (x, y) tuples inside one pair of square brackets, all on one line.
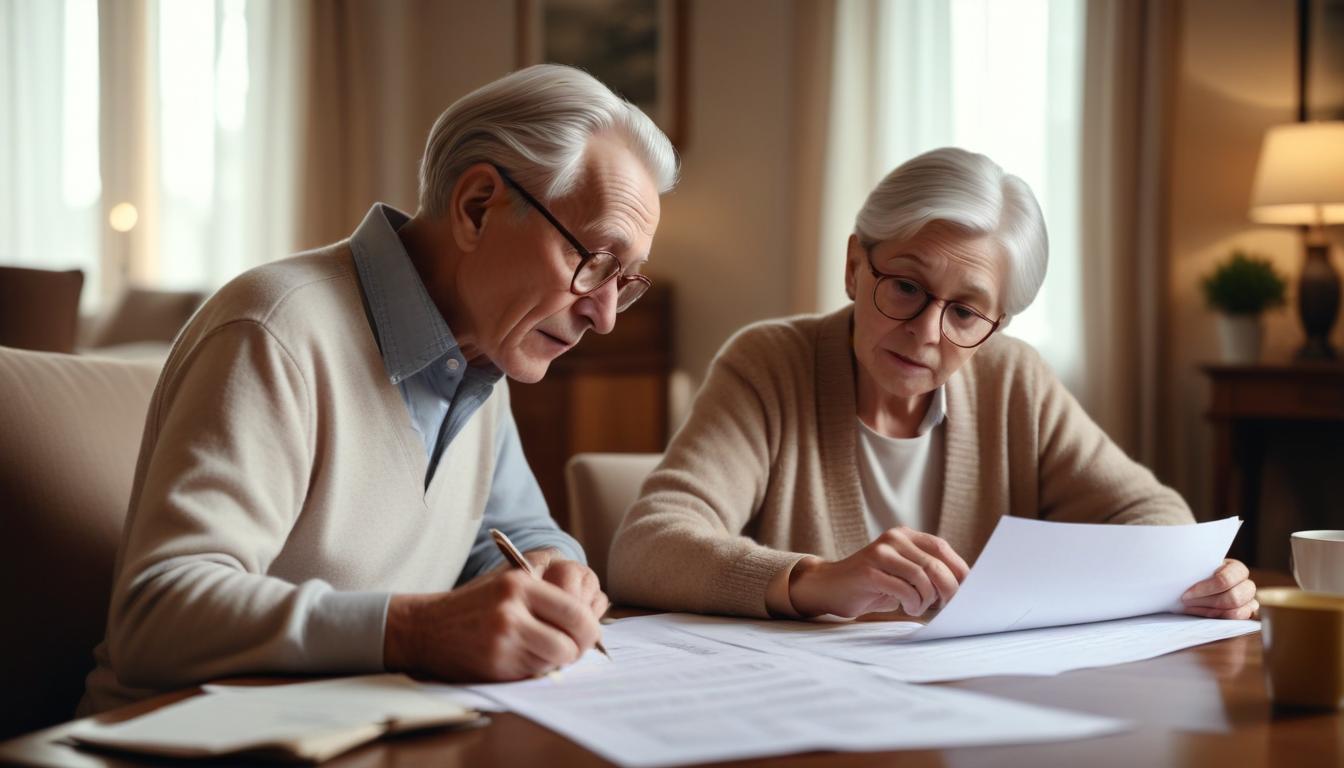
[(1241, 288)]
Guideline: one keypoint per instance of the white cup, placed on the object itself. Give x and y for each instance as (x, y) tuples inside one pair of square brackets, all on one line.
[(1318, 561)]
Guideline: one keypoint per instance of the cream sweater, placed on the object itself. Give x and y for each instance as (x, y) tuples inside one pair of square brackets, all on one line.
[(279, 497), (764, 470)]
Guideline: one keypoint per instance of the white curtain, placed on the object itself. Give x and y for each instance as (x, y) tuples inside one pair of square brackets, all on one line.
[(186, 111), (223, 124), (1001, 77), (49, 182)]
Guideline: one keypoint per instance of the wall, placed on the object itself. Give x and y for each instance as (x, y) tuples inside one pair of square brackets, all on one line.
[(724, 243), (1236, 77)]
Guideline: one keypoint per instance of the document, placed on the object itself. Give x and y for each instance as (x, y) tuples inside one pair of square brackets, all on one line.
[(1045, 651), (671, 698), (305, 721), (1034, 573)]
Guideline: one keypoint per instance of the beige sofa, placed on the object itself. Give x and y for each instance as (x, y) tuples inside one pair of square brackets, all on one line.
[(70, 428), (70, 431)]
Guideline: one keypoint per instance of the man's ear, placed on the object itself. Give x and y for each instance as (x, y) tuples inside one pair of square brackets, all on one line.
[(854, 258), (477, 192)]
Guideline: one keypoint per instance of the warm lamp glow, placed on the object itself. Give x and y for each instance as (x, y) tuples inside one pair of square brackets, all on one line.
[(123, 217), (1300, 177)]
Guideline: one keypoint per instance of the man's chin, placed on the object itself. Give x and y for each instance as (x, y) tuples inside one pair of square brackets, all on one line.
[(528, 370)]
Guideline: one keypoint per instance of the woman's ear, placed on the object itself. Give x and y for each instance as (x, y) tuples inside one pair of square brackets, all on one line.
[(478, 190), (855, 254)]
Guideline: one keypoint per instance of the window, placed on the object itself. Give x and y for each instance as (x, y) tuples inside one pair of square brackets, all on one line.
[(1000, 77)]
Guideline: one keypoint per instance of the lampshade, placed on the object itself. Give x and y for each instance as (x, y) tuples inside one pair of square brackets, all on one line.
[(1301, 171)]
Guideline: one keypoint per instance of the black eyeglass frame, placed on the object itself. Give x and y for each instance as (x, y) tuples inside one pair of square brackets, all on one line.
[(929, 298), (585, 255)]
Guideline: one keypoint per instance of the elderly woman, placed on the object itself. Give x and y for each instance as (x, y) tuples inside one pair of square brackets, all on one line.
[(855, 462)]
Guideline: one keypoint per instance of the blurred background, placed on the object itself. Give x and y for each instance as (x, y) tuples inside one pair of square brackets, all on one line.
[(160, 148)]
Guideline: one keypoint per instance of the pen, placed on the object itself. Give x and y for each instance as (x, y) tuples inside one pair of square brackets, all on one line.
[(516, 559)]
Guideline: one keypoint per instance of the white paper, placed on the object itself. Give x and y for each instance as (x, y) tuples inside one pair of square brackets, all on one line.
[(670, 697), (1179, 692), (1045, 651), (458, 695), (462, 696), (1034, 573)]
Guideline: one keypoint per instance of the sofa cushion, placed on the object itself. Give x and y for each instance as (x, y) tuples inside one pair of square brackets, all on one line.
[(145, 315), (70, 430), (39, 308)]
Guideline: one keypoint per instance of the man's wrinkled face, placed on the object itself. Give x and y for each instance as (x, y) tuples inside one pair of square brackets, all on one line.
[(516, 288)]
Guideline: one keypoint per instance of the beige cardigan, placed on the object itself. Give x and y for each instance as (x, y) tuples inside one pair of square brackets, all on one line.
[(764, 470)]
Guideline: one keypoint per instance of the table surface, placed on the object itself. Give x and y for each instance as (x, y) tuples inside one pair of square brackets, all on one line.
[(1202, 706)]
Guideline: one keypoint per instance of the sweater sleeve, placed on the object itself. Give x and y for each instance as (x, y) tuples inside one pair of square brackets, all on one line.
[(681, 546), (1084, 477), (223, 475)]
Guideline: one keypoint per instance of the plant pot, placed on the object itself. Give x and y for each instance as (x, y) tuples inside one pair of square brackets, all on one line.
[(1240, 337)]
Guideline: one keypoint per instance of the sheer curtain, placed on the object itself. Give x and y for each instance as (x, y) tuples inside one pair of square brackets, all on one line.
[(50, 187), (223, 82), (997, 77), (148, 141)]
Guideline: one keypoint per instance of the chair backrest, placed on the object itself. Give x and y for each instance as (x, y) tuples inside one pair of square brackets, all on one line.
[(70, 429), (602, 486)]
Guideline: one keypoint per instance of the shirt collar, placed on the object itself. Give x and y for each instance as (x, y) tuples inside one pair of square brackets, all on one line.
[(937, 410), (410, 329)]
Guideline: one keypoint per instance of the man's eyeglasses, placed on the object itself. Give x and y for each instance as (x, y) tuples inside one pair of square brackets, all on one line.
[(596, 268), (901, 298)]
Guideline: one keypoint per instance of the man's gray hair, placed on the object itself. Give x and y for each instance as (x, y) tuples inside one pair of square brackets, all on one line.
[(971, 192), (536, 123)]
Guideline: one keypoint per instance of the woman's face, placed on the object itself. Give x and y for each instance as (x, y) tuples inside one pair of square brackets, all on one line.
[(910, 358)]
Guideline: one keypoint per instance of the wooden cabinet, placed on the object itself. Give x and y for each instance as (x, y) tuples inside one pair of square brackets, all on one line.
[(609, 393), (1246, 402)]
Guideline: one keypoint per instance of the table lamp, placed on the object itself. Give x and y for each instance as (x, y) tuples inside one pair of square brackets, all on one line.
[(1300, 180)]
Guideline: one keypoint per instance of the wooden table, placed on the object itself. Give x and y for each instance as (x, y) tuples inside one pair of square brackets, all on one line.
[(1204, 706), (1246, 401)]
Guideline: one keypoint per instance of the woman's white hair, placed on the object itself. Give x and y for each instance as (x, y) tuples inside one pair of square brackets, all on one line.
[(536, 123), (972, 193)]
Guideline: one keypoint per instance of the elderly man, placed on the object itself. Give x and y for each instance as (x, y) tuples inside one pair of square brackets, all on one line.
[(328, 443)]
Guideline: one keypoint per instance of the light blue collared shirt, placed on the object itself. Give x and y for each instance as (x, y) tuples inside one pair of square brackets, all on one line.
[(441, 392)]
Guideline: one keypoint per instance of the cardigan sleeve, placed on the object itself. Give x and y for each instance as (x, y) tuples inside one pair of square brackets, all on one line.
[(1084, 477), (222, 478), (681, 546)]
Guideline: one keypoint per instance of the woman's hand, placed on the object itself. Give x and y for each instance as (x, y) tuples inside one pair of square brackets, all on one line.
[(1228, 594), (902, 569)]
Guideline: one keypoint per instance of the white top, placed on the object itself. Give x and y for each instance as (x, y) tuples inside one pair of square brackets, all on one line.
[(902, 478)]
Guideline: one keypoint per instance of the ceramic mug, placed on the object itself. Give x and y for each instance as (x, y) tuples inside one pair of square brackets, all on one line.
[(1318, 561), (1303, 637)]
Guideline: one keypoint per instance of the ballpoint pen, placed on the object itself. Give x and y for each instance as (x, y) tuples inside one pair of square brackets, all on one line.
[(516, 559)]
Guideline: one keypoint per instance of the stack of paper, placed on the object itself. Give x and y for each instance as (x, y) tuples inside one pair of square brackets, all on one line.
[(1043, 598), (671, 698)]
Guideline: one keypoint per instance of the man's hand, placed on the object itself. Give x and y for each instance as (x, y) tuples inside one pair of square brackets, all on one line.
[(507, 625), (902, 569), (573, 577), (1228, 594)]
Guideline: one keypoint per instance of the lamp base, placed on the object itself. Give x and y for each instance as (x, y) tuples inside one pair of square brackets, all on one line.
[(1316, 349), (1318, 302)]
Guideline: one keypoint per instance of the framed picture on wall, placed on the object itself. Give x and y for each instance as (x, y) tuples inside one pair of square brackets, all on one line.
[(1322, 58), (637, 47)]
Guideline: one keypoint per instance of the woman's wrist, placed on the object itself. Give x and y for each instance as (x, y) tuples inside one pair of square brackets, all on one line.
[(804, 597)]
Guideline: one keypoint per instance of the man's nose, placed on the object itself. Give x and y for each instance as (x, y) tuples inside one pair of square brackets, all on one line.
[(599, 307)]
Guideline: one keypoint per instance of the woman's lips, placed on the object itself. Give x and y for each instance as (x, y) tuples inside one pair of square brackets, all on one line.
[(907, 362)]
